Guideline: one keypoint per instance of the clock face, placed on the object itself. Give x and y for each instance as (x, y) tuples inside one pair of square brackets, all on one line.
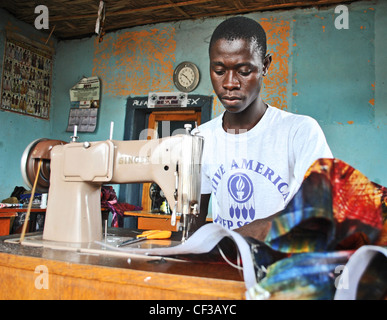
[(186, 76)]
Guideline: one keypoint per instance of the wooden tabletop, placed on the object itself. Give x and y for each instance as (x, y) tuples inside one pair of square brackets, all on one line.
[(74, 275)]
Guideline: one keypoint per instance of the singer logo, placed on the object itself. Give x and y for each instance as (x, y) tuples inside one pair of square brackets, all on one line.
[(41, 21), (132, 159)]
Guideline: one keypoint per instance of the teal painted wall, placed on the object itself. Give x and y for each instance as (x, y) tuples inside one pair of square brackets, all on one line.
[(17, 131), (340, 83), (336, 76)]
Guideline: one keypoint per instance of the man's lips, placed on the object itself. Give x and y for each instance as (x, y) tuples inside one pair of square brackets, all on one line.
[(230, 101), (231, 98)]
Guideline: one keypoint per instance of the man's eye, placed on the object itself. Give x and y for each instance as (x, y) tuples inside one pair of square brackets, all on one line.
[(219, 72), (245, 73)]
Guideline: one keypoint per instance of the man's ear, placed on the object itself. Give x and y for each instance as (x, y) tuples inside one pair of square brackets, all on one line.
[(266, 64)]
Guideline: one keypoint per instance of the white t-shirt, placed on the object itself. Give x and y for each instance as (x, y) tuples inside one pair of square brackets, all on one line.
[(254, 174)]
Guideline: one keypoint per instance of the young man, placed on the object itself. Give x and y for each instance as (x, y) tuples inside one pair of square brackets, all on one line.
[(255, 155)]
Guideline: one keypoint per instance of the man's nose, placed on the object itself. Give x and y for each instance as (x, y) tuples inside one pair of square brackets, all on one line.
[(231, 81)]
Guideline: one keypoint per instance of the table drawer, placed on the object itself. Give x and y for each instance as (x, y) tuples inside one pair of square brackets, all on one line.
[(156, 224)]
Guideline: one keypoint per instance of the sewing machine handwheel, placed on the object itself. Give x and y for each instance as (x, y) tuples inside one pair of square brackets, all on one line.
[(36, 150)]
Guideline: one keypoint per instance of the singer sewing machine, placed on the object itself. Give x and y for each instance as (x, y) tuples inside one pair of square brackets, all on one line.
[(76, 171), (73, 259)]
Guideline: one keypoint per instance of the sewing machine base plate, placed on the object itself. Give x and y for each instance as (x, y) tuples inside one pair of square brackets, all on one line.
[(98, 247)]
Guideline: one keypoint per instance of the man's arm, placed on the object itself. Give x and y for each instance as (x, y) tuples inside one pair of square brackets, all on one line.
[(257, 229)]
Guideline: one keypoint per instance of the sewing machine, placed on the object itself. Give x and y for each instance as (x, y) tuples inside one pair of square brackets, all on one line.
[(76, 171)]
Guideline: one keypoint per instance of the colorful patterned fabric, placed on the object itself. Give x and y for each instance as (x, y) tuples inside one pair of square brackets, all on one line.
[(336, 211), (305, 276), (336, 207)]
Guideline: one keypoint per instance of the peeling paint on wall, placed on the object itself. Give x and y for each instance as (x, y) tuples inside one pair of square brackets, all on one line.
[(135, 62), (217, 107), (275, 89)]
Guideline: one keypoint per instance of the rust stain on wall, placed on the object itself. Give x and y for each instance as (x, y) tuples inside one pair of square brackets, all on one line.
[(135, 62), (275, 89), (217, 107), (11, 27)]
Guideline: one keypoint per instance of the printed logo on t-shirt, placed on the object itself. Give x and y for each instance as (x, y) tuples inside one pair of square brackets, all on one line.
[(236, 198), (241, 190)]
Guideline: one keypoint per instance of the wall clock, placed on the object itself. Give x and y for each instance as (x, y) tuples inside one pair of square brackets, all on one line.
[(186, 76)]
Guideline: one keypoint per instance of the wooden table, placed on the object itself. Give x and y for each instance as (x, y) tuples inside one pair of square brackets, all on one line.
[(74, 275), (7, 213)]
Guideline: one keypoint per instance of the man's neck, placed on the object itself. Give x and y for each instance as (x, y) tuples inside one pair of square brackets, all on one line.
[(246, 120)]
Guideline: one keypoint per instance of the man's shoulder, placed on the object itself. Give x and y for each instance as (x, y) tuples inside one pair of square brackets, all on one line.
[(291, 118), (211, 124)]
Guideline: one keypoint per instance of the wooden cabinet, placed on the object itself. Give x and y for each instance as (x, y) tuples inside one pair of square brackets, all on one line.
[(5, 222), (152, 221), (6, 214)]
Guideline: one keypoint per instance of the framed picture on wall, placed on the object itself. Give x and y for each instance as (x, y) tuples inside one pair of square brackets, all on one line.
[(26, 78)]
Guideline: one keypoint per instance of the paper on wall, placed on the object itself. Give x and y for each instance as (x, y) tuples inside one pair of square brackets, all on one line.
[(86, 92)]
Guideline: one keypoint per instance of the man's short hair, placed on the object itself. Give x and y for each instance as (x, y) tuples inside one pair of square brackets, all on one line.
[(241, 28)]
